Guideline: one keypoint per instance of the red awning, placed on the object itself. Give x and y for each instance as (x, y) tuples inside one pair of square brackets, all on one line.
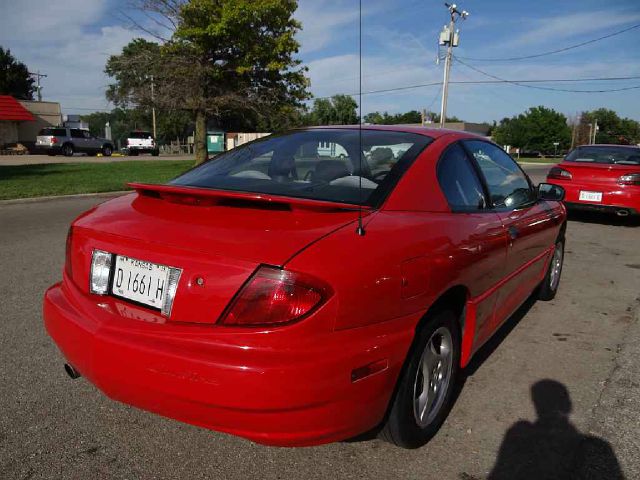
[(12, 110)]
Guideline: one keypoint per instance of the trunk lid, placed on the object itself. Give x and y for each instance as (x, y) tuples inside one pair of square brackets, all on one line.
[(218, 239), (598, 173)]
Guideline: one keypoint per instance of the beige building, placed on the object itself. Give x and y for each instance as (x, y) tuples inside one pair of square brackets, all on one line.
[(46, 114), (481, 129), (236, 139)]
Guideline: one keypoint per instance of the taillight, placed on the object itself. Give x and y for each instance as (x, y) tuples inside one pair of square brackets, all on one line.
[(630, 179), (54, 140), (68, 267), (274, 297), (559, 174)]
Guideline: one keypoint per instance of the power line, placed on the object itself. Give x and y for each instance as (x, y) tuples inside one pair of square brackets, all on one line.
[(552, 52), (523, 83), (498, 80)]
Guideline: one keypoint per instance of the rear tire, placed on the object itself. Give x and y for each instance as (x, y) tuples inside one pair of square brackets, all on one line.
[(549, 286), (427, 384), (67, 150)]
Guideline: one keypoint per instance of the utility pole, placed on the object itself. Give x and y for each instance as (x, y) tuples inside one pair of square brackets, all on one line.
[(450, 38), (38, 76), (153, 109), (595, 131)]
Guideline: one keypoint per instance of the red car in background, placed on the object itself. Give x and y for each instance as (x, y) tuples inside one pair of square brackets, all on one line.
[(294, 296), (600, 177)]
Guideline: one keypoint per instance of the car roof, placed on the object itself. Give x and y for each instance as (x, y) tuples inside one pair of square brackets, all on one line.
[(608, 145), (426, 131)]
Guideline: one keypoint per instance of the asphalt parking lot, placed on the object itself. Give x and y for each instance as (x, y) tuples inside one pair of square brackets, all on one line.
[(587, 340)]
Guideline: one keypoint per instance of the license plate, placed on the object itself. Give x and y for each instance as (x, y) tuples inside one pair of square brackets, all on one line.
[(140, 281), (590, 196)]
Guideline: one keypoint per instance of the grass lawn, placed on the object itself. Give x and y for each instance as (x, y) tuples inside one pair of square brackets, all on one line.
[(542, 161), (22, 181)]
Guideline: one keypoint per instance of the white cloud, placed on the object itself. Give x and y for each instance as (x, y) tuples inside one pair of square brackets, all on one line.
[(322, 21), (64, 43), (552, 29), (327, 22)]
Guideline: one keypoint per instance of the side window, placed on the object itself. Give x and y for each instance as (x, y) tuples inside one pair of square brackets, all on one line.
[(76, 133), (508, 185), (459, 181)]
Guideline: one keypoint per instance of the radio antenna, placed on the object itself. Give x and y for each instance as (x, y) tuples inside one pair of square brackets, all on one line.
[(360, 230)]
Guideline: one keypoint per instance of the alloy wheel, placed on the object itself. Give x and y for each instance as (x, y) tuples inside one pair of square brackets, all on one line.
[(556, 266), (433, 377)]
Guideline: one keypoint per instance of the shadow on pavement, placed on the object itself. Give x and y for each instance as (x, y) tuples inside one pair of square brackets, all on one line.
[(552, 447), (604, 218)]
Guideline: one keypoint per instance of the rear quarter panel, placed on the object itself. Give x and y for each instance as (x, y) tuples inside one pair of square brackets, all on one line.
[(403, 263)]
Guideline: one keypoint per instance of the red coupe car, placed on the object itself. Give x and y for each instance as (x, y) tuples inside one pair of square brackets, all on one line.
[(601, 177), (307, 287)]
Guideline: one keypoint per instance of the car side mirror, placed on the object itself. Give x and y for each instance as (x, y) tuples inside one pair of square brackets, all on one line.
[(548, 191)]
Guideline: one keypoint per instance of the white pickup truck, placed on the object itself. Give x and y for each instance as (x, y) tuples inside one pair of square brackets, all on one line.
[(142, 142)]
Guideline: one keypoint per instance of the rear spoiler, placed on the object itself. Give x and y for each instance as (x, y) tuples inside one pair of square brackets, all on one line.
[(207, 197)]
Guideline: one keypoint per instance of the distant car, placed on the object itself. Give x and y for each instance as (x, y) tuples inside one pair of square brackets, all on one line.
[(142, 142), (241, 296), (600, 177), (67, 141)]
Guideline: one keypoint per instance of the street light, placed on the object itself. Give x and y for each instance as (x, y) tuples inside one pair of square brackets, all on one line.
[(555, 146)]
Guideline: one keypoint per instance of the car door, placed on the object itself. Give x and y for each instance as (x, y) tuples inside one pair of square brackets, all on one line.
[(78, 139), (94, 144), (527, 221), (485, 244)]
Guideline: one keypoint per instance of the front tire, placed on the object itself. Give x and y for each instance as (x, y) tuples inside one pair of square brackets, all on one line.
[(107, 151), (426, 390), (551, 282)]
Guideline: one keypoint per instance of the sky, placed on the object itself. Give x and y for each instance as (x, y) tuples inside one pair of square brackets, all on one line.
[(70, 41)]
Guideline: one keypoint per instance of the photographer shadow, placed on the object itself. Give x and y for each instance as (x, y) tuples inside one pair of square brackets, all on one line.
[(552, 447)]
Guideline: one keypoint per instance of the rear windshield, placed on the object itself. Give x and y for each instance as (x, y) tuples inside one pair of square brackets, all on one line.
[(605, 154), (140, 135), (324, 164), (53, 132)]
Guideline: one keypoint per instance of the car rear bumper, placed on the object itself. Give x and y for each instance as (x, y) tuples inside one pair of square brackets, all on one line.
[(49, 148), (141, 148), (595, 207), (614, 197), (245, 384)]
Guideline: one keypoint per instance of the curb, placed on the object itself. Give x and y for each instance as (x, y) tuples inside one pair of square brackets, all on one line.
[(14, 201), (537, 164)]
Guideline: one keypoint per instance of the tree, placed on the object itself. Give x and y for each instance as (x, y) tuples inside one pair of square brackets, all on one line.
[(410, 117), (534, 130), (14, 77), (338, 110), (223, 59), (345, 110), (611, 128)]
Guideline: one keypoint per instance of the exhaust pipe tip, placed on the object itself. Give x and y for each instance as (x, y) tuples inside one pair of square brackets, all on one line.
[(622, 213), (71, 371)]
